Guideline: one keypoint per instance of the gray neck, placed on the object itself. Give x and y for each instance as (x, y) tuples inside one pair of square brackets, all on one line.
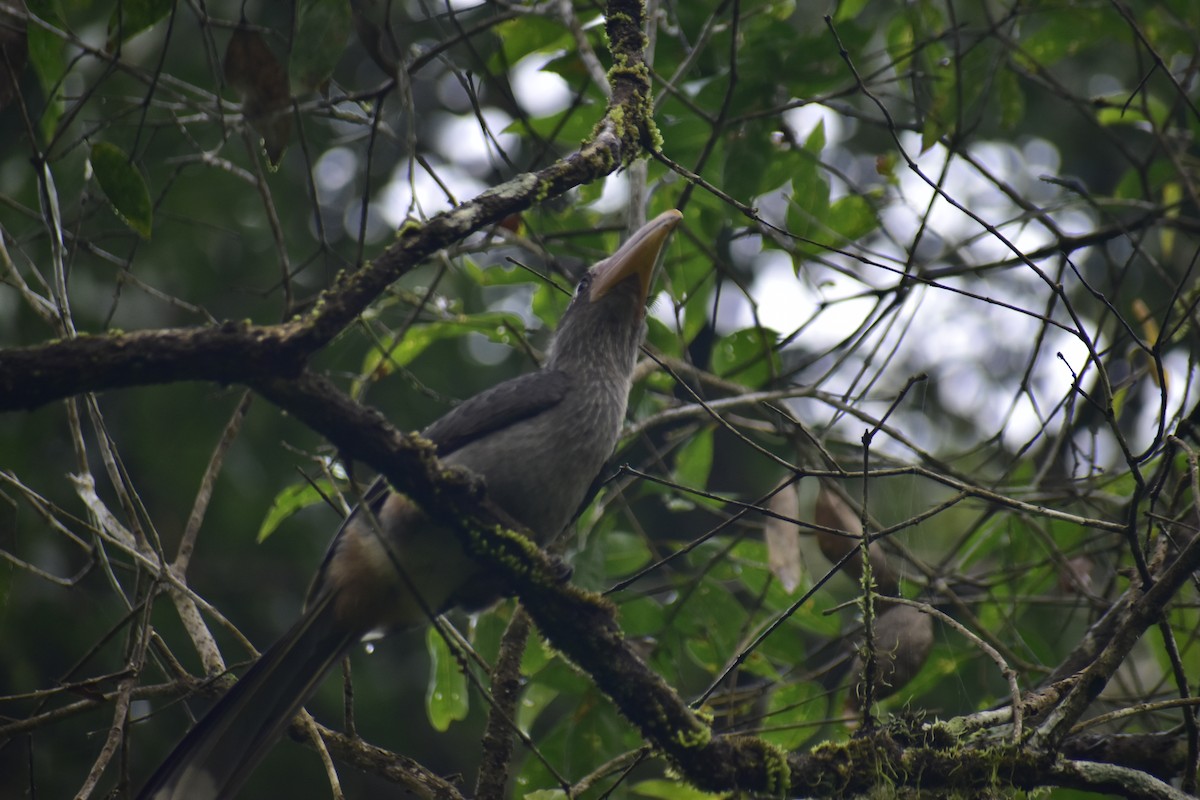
[(599, 341)]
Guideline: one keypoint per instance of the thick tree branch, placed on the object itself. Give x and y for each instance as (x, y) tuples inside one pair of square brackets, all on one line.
[(1159, 754), (1112, 779), (228, 353)]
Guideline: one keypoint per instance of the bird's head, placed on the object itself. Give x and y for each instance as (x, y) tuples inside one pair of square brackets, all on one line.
[(607, 314)]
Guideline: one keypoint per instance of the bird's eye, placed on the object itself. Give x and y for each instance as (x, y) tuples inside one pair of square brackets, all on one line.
[(584, 283)]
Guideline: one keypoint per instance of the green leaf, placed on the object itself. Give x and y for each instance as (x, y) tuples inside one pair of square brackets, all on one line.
[(1067, 31), (808, 205), (47, 55), (1012, 99), (943, 664), (852, 217), (705, 653), (762, 65), (561, 676), (687, 139), (582, 730), (940, 116), (790, 713), (537, 655), (124, 187), (671, 790), (815, 142), (694, 460), (746, 158), (783, 167), (785, 646), (536, 698), (1116, 112), (965, 88), (642, 616), (131, 17), (624, 553), (849, 9), (497, 326), (446, 699), (499, 274), (783, 10), (322, 29), (688, 274), (664, 339), (569, 125), (747, 356), (549, 303), (546, 794), (810, 616), (565, 63), (520, 37), (1118, 400), (712, 619), (900, 38), (292, 499)]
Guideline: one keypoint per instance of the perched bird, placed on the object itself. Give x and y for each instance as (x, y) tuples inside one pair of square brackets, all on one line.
[(538, 441)]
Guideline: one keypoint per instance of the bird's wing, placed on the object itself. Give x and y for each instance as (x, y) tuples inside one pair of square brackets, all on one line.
[(487, 412), (492, 409), (496, 408)]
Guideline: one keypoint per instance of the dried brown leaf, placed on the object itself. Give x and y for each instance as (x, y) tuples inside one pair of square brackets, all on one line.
[(253, 71), (783, 539), (831, 511)]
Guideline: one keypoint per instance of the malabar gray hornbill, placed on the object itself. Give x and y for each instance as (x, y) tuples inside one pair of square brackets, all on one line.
[(538, 441)]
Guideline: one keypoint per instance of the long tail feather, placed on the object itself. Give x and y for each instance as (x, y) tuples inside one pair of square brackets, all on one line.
[(217, 756)]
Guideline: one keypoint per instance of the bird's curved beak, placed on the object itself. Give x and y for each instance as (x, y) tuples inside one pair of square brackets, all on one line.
[(636, 257)]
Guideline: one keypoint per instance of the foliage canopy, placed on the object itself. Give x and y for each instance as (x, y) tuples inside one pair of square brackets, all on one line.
[(936, 282)]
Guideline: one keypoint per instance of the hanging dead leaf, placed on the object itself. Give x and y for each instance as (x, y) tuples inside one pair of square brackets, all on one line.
[(831, 511), (511, 223), (253, 71), (783, 539), (1149, 325)]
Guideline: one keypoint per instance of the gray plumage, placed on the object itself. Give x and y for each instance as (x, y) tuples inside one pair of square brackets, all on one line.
[(538, 441)]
